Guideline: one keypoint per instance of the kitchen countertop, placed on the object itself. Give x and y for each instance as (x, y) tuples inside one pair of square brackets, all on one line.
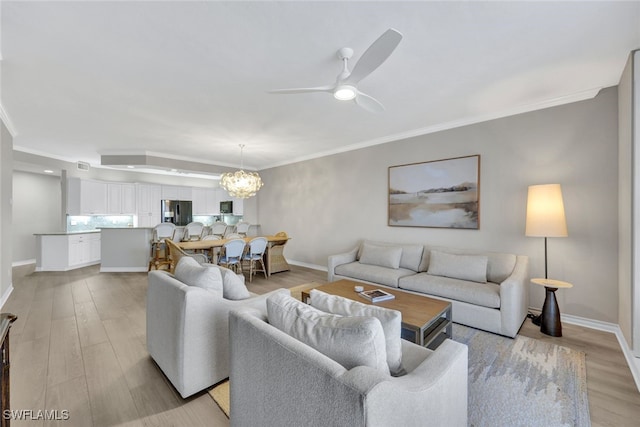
[(125, 228), (66, 233)]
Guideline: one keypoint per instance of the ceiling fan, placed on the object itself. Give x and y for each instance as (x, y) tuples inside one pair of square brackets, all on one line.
[(346, 86)]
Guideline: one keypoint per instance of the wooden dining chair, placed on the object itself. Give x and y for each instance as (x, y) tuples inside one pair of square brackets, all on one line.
[(176, 252)]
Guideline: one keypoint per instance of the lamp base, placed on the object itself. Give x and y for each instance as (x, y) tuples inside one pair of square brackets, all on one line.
[(549, 318)]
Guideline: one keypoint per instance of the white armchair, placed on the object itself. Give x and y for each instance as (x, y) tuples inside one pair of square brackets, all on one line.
[(188, 331), (277, 380)]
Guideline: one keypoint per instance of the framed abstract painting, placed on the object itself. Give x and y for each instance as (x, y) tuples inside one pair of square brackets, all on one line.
[(440, 193)]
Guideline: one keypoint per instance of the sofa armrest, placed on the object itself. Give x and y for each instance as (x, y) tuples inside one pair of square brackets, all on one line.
[(339, 259), (514, 297), (255, 302), (436, 390)]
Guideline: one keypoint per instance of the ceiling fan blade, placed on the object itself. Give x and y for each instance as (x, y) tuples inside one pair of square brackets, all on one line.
[(374, 56), (369, 103), (304, 90)]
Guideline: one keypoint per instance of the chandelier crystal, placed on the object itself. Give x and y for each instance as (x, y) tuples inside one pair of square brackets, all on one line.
[(241, 184)]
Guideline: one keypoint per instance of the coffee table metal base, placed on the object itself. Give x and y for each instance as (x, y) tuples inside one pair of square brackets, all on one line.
[(431, 334)]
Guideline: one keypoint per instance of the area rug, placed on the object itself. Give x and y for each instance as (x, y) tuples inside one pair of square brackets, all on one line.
[(523, 381), (518, 382), (220, 395)]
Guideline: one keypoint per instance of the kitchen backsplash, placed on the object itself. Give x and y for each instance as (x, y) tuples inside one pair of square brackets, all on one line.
[(91, 222)]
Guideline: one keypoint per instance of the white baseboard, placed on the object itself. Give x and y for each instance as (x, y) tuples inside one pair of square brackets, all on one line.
[(5, 295), (632, 361), (124, 269), (307, 265), (23, 262)]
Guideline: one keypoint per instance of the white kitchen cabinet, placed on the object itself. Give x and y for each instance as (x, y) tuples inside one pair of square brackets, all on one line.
[(238, 206), (114, 198), (170, 192), (84, 249), (75, 252), (185, 193), (176, 192), (121, 199), (93, 197), (86, 197), (94, 247), (199, 206), (62, 252), (205, 201), (148, 199), (128, 198)]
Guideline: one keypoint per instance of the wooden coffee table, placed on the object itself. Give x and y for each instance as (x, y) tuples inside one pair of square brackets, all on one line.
[(425, 321)]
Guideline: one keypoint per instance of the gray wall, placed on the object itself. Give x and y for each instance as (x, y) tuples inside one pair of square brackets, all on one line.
[(328, 204), (36, 209), (6, 166)]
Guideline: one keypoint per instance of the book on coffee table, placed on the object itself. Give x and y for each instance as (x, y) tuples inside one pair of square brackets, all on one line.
[(377, 295)]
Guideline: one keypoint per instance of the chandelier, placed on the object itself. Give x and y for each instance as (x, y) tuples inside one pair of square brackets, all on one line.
[(241, 184)]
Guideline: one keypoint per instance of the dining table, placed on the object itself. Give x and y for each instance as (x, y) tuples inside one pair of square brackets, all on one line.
[(274, 259)]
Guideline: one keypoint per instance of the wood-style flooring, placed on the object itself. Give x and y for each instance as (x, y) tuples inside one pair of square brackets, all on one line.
[(79, 345)]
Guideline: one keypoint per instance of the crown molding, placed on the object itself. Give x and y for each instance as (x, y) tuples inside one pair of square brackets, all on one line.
[(7, 122), (548, 103)]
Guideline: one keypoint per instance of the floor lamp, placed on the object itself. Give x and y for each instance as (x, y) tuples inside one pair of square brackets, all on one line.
[(545, 218)]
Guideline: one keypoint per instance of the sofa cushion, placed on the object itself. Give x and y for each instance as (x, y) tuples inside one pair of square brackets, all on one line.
[(373, 273), (380, 255), (391, 321), (499, 266), (350, 341), (482, 294), (189, 272), (463, 267), (411, 253), (233, 286)]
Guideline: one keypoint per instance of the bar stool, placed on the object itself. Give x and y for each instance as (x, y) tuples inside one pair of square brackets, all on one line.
[(159, 253)]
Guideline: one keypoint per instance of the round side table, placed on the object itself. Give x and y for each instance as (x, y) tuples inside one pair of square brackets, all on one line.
[(549, 319)]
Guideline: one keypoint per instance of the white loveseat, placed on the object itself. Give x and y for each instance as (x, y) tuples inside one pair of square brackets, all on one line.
[(488, 290)]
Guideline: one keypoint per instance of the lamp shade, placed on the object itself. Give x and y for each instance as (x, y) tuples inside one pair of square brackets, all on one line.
[(545, 212)]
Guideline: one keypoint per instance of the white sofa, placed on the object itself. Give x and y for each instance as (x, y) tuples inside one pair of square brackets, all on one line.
[(488, 290), (277, 380), (188, 330)]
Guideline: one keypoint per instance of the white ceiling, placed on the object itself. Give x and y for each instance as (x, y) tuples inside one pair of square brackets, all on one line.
[(189, 79)]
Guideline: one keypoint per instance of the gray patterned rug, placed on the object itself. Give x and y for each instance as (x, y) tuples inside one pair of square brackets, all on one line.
[(523, 381)]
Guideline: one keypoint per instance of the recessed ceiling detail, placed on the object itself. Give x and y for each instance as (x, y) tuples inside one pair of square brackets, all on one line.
[(142, 161)]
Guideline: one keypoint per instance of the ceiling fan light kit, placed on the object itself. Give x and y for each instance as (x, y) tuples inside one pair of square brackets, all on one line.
[(345, 93), (346, 85)]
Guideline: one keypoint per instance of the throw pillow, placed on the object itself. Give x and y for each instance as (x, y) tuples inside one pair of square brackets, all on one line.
[(463, 267), (381, 255), (391, 321), (233, 286), (189, 272), (350, 341)]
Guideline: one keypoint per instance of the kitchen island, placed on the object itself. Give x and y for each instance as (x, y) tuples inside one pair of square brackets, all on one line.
[(125, 249), (67, 250)]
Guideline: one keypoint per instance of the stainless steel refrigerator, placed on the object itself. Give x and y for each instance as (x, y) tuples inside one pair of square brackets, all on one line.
[(176, 211)]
